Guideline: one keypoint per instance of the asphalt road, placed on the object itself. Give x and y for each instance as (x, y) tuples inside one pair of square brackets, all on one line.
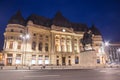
[(88, 74)]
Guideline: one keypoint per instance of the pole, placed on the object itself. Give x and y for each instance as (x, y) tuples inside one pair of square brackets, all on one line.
[(25, 48), (23, 51)]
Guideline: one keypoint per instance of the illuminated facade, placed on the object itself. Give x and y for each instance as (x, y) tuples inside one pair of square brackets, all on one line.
[(113, 52), (51, 41), (1, 59)]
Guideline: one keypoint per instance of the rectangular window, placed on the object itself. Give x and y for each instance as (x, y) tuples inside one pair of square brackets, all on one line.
[(19, 45), (40, 59), (46, 59), (46, 47), (9, 59), (76, 60), (62, 48), (33, 45), (33, 59), (11, 45), (9, 56), (75, 48), (68, 48), (18, 58), (98, 61), (40, 46)]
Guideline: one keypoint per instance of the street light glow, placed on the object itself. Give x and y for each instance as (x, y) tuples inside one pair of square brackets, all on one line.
[(107, 43), (119, 50), (27, 36), (21, 36), (63, 30)]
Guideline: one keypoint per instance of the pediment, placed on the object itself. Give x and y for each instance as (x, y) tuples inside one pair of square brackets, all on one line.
[(62, 29)]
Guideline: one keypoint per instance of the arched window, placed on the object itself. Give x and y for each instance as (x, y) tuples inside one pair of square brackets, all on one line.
[(12, 30), (33, 45), (46, 46), (40, 46)]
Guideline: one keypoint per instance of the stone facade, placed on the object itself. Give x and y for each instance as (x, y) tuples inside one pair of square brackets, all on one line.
[(49, 42), (113, 53)]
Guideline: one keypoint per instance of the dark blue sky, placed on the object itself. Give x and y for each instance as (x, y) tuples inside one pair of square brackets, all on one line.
[(105, 14)]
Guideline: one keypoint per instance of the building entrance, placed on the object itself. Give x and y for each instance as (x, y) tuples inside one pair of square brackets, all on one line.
[(9, 61), (57, 62), (63, 61)]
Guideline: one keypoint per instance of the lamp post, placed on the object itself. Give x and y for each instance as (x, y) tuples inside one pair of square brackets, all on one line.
[(24, 37)]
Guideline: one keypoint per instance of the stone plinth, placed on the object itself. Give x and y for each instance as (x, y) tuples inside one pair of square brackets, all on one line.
[(88, 58)]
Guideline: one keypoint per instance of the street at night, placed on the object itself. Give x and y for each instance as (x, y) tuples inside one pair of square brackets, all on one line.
[(74, 74), (60, 40)]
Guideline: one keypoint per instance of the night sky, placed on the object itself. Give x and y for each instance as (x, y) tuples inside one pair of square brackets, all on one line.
[(105, 14)]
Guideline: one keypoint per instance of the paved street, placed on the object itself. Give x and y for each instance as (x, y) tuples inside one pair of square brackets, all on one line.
[(83, 74)]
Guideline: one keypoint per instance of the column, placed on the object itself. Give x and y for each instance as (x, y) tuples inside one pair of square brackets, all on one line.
[(65, 44), (52, 57), (72, 44), (14, 59)]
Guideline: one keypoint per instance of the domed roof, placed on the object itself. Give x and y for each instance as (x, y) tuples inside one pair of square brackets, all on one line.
[(17, 19), (39, 20), (95, 30), (60, 20)]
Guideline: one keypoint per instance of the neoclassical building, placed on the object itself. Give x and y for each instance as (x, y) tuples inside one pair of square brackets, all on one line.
[(113, 52), (39, 40)]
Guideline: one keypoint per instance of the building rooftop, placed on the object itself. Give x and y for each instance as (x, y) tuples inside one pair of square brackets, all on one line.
[(17, 19), (58, 20)]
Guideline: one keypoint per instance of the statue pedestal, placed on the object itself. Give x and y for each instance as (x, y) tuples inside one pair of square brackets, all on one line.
[(88, 59)]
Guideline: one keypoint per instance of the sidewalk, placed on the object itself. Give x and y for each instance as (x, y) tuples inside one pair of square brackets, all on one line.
[(52, 67)]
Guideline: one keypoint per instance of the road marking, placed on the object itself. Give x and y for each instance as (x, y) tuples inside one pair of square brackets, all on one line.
[(42, 76)]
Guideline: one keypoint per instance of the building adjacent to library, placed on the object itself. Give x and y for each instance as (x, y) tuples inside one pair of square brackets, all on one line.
[(43, 41)]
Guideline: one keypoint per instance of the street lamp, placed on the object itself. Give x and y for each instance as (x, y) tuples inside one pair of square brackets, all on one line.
[(24, 37), (107, 43)]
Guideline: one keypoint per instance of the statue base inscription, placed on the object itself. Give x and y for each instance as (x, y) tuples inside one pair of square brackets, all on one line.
[(88, 58)]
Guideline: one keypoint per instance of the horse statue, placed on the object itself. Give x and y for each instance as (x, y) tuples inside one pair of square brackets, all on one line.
[(87, 39)]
